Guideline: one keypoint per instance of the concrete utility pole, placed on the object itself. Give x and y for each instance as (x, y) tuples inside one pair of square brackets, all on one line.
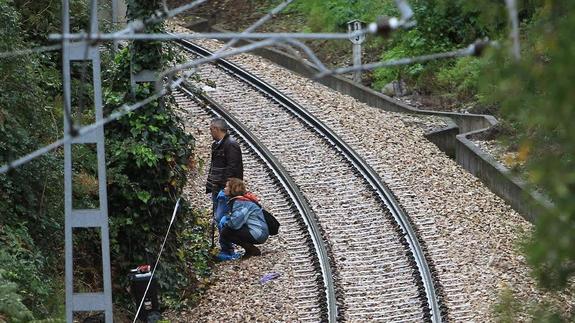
[(119, 9), (85, 218), (352, 26)]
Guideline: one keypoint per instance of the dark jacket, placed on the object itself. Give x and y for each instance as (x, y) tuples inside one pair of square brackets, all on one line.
[(226, 162)]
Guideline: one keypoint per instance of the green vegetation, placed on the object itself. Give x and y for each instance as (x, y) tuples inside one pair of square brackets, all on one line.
[(441, 26), (533, 97), (30, 196), (536, 97), (147, 153)]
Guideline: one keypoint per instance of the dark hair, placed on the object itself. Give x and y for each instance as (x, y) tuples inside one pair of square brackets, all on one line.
[(220, 123), (236, 186)]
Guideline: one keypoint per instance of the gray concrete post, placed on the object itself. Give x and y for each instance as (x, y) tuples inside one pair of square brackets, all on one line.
[(352, 26)]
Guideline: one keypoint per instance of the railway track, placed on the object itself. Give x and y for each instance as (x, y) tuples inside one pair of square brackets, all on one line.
[(309, 257), (382, 273)]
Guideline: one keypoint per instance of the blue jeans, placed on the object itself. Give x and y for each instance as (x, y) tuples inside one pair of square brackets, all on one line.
[(220, 202)]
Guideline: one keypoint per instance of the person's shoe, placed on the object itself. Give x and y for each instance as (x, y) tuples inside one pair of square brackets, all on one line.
[(251, 250), (226, 256)]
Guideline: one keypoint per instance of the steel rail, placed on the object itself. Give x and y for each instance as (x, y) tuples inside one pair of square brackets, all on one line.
[(355, 159), (291, 188)]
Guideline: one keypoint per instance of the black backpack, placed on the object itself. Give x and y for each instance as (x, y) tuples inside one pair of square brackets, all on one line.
[(271, 221)]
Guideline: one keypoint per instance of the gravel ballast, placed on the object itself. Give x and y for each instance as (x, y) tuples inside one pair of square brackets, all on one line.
[(478, 230)]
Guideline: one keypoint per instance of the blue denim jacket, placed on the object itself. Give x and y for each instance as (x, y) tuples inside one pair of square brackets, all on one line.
[(249, 213)]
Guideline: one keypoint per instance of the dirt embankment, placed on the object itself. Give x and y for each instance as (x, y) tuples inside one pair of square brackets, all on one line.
[(237, 15)]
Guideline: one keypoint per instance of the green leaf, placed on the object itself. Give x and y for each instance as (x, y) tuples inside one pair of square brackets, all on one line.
[(144, 196)]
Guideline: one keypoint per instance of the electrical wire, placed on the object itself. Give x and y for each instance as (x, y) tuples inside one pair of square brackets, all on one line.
[(226, 35), (125, 109), (473, 49), (27, 51), (257, 24), (157, 259)]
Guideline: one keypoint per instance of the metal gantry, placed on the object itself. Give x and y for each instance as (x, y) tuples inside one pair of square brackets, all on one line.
[(96, 218)]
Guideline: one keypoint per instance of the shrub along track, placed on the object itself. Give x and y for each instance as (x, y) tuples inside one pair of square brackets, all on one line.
[(382, 273)]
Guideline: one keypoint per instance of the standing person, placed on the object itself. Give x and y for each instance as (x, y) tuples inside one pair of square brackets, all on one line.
[(226, 162), (244, 224)]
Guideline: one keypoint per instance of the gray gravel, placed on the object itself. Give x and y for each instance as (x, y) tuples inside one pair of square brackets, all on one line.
[(476, 232), (235, 293)]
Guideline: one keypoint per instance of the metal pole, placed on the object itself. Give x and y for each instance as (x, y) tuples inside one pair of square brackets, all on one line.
[(115, 21), (85, 218)]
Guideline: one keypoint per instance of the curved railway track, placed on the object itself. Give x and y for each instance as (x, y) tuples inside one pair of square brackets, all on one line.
[(382, 270), (296, 201)]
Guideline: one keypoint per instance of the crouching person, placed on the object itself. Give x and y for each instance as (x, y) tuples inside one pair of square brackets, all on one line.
[(244, 224)]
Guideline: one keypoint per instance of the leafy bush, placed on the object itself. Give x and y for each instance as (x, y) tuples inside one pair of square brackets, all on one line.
[(31, 195), (147, 155), (11, 305), (26, 267), (460, 80), (536, 95), (441, 26)]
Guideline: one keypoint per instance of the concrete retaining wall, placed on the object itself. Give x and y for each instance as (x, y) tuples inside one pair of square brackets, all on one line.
[(453, 140), (494, 175), (444, 138)]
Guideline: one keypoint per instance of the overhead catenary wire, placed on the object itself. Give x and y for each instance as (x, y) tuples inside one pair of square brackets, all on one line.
[(124, 109), (268, 40), (474, 49), (27, 51), (132, 26), (233, 41), (212, 35)]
